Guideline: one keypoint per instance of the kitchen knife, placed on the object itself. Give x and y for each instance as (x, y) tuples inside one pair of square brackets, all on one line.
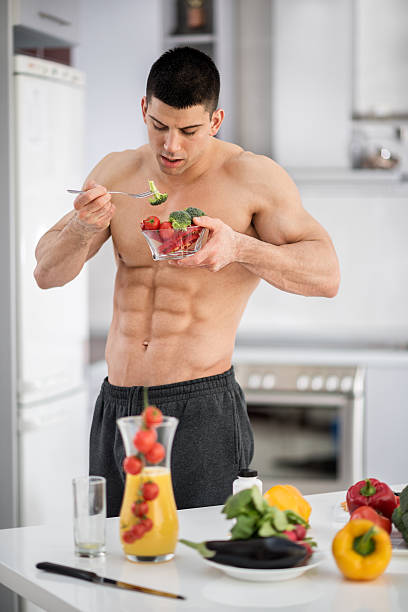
[(75, 572)]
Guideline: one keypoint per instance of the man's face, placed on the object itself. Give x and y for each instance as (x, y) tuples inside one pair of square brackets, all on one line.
[(179, 137)]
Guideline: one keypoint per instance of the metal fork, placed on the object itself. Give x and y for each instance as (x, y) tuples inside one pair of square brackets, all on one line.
[(145, 194)]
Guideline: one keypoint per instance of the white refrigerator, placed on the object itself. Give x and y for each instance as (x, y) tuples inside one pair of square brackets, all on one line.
[(52, 325)]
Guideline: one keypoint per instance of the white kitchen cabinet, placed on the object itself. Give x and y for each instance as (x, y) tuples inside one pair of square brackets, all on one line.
[(386, 421), (58, 19), (380, 87), (217, 39)]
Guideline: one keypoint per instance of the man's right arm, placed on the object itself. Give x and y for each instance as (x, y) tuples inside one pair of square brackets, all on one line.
[(63, 250)]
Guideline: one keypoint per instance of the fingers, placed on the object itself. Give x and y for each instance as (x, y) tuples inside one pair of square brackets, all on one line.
[(90, 195), (94, 207), (209, 222)]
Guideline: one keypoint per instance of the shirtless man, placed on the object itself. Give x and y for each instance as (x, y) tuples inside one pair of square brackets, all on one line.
[(174, 322)]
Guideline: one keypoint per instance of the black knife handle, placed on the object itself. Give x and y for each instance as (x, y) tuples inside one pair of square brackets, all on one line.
[(66, 570)]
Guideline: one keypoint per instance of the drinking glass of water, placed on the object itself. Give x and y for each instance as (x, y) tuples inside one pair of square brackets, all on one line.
[(89, 515)]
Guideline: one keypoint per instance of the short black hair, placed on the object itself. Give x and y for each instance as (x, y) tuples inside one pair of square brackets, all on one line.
[(184, 77)]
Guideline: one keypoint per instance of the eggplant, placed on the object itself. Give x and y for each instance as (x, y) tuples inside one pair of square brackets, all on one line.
[(274, 552)]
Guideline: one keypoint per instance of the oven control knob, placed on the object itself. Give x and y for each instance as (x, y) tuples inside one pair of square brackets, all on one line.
[(302, 382), (268, 381), (254, 381), (317, 383), (332, 383), (346, 384)]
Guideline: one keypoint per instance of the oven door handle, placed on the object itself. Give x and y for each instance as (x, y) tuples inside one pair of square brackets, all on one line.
[(297, 398)]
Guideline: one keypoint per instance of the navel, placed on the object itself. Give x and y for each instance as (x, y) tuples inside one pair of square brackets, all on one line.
[(145, 344)]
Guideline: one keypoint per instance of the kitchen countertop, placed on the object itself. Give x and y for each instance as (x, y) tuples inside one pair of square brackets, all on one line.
[(329, 355), (205, 588), (343, 182)]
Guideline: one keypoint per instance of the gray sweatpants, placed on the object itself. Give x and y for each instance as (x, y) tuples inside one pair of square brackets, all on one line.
[(213, 439)]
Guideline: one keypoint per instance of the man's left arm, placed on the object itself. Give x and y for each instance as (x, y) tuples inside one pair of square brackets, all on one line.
[(293, 252)]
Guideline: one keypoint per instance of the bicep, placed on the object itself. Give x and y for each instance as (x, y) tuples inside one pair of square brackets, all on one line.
[(282, 219)]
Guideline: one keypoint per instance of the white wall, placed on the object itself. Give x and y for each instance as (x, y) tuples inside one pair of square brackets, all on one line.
[(369, 233), (118, 43)]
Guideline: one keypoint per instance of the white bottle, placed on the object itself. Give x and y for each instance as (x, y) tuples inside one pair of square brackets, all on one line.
[(247, 478)]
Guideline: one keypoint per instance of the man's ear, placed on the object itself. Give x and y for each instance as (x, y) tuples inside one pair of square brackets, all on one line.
[(216, 120), (144, 107)]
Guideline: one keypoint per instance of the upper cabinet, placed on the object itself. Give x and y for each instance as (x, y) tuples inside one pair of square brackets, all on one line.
[(380, 75), (46, 22), (208, 25)]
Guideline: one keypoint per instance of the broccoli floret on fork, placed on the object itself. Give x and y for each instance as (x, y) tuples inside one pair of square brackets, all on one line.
[(157, 198)]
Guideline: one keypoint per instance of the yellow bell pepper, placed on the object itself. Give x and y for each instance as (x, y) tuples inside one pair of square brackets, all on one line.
[(287, 497), (362, 550)]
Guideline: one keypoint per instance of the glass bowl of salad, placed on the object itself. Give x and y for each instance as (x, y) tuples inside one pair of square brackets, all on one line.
[(165, 242)]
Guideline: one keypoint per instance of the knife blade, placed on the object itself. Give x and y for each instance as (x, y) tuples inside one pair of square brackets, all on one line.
[(75, 572)]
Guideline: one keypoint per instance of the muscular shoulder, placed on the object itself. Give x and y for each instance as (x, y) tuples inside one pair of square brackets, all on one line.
[(117, 165), (266, 180)]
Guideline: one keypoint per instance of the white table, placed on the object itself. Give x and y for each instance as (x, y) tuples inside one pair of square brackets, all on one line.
[(320, 589)]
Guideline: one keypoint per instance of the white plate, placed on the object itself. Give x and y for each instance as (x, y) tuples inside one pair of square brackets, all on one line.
[(268, 575)]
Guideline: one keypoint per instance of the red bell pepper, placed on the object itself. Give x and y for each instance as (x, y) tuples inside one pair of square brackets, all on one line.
[(371, 492), (172, 244), (366, 512)]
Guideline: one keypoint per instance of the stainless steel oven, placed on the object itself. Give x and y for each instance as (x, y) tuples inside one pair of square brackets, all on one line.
[(307, 423)]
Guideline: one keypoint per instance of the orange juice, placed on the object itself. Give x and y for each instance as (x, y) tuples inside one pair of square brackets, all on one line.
[(161, 540)]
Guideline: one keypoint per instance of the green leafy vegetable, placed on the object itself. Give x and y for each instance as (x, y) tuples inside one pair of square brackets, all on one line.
[(157, 198)]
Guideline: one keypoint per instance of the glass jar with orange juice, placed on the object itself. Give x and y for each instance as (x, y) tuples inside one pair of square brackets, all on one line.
[(148, 516)]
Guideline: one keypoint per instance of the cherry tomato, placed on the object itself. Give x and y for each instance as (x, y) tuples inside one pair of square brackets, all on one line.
[(150, 490), (152, 416), (132, 465), (156, 453), (140, 508), (138, 530), (166, 230), (152, 223), (147, 523), (128, 536), (144, 439)]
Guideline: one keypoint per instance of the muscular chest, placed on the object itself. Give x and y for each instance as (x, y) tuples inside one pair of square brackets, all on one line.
[(229, 205)]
